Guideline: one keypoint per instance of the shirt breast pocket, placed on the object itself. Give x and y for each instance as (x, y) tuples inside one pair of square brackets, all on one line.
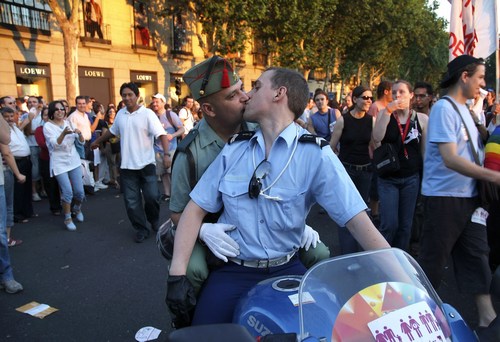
[(286, 209), (237, 205)]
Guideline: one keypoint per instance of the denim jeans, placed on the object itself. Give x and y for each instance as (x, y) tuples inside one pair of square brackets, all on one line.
[(398, 197), (5, 268), (71, 185), (362, 180), (9, 196), (136, 185)]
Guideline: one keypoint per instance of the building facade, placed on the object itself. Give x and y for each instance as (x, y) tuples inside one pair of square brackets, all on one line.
[(120, 41)]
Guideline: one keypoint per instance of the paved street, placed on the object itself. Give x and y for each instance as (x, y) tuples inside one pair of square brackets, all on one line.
[(105, 285)]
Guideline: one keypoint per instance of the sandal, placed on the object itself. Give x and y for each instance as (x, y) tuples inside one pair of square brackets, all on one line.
[(14, 242)]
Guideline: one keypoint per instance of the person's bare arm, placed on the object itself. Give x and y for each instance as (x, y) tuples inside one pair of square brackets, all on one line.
[(11, 162), (465, 167), (4, 131), (337, 133), (103, 138), (363, 230)]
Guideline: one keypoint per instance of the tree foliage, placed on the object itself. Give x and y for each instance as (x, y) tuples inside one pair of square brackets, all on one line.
[(365, 40)]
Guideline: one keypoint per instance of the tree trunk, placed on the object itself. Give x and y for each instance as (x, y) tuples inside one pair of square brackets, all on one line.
[(71, 39)]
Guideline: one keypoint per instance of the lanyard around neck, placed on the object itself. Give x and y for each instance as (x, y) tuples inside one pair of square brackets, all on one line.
[(401, 133)]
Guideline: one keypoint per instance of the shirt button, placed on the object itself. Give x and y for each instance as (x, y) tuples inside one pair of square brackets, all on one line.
[(261, 221)]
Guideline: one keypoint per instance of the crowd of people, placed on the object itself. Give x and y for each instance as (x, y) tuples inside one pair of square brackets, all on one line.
[(223, 137)]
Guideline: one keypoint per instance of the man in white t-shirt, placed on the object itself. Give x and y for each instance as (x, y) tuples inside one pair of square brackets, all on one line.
[(138, 127), (186, 115)]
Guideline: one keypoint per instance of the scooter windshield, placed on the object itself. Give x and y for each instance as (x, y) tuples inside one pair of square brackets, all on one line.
[(377, 296)]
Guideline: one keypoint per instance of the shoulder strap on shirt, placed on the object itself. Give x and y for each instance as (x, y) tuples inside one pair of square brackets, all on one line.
[(310, 138), (169, 118), (241, 136), (183, 147)]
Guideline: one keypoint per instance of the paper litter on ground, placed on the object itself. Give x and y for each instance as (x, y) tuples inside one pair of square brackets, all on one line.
[(36, 309), (147, 334)]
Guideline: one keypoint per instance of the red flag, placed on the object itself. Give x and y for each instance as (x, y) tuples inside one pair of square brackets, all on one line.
[(473, 28)]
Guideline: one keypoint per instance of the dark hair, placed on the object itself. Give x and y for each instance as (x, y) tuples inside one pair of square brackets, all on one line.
[(359, 90), (5, 110), (382, 87), (130, 85), (107, 116), (96, 106), (356, 93), (52, 108), (296, 86), (184, 100), (425, 85), (320, 92), (450, 80), (3, 98), (81, 97)]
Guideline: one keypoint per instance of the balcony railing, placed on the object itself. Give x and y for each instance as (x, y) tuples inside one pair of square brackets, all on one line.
[(94, 34), (25, 18)]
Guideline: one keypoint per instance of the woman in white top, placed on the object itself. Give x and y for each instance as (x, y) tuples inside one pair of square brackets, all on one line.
[(65, 162)]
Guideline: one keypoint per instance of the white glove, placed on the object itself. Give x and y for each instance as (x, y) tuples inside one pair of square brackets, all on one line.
[(309, 237), (215, 237)]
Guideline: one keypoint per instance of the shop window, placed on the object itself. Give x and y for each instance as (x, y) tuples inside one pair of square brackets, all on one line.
[(143, 37), (181, 42), (92, 24), (25, 15), (259, 53)]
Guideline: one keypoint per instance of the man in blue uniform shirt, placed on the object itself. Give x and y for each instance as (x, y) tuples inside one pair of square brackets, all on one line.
[(266, 192)]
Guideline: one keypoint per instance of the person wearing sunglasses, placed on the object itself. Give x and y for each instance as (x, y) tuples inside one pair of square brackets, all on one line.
[(406, 130), (265, 183), (65, 164), (222, 117), (351, 140)]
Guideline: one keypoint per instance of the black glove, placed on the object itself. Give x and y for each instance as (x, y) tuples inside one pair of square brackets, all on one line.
[(180, 300)]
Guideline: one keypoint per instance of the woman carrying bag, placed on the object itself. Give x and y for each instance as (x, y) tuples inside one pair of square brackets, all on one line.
[(405, 130)]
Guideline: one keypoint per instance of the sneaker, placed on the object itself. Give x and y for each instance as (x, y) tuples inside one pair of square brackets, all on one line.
[(36, 197), (70, 225), (43, 194), (100, 185), (11, 286), (79, 216), (96, 188), (13, 242)]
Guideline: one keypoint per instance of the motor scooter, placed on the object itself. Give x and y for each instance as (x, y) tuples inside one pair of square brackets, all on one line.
[(379, 296)]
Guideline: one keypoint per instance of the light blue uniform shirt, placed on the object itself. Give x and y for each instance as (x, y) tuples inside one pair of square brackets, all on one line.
[(445, 126), (269, 228)]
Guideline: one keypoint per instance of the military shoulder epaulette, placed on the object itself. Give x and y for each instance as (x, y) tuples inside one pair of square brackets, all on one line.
[(245, 135), (310, 138), (187, 140)]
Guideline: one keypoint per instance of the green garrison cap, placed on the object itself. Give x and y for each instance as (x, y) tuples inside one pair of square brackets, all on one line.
[(210, 76)]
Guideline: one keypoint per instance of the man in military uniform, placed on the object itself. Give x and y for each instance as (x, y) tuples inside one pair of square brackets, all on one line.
[(263, 189), (222, 101)]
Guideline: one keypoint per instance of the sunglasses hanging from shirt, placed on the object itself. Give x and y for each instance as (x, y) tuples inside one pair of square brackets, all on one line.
[(262, 171)]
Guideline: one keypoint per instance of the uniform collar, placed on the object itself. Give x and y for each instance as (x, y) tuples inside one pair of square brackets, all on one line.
[(209, 136), (288, 135)]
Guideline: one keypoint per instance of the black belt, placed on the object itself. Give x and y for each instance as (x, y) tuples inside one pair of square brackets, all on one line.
[(264, 263), (365, 167), (22, 158)]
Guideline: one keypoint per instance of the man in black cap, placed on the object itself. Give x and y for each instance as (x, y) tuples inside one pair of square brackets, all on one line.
[(454, 222)]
